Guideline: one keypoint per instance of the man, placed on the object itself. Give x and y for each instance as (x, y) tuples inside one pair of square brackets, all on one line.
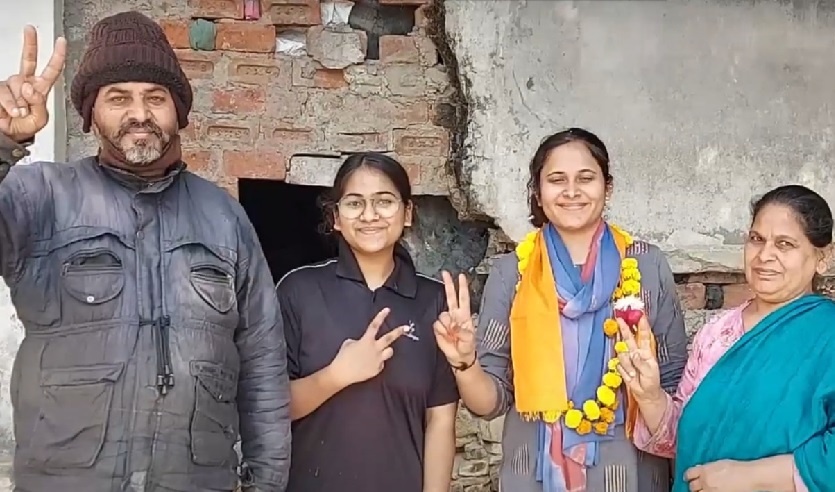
[(152, 327)]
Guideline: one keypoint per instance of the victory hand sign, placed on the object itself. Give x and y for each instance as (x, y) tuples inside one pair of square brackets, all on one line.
[(638, 365), (454, 330), (23, 111)]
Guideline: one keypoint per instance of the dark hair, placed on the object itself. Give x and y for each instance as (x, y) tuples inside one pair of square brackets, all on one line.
[(589, 139), (810, 209), (392, 169)]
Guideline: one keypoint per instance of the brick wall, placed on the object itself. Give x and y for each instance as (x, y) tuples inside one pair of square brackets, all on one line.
[(262, 114)]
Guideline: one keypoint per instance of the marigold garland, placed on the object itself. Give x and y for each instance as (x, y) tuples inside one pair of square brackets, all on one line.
[(596, 415)]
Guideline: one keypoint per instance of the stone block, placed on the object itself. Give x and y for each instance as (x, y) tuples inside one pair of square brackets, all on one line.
[(176, 31), (313, 170), (256, 69), (399, 49), (405, 80), (232, 131), (245, 37), (292, 12), (336, 47), (197, 160), (217, 9), (239, 100), (266, 164), (427, 141), (198, 64)]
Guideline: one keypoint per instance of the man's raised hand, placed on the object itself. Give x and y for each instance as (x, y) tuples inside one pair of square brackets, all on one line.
[(23, 96)]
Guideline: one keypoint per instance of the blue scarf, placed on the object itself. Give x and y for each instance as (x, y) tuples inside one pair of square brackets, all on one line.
[(771, 393), (586, 348)]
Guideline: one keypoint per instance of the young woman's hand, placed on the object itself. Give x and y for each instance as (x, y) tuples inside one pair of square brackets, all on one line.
[(361, 360), (638, 366), (454, 330)]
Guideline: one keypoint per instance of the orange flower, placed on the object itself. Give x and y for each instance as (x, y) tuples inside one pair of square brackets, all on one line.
[(610, 327), (584, 427), (607, 415), (601, 428)]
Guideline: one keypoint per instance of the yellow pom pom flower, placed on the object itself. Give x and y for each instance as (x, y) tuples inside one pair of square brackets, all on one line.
[(550, 416), (601, 428), (591, 409), (584, 428), (612, 380), (621, 347), (613, 363), (630, 288), (629, 263), (610, 327), (606, 396), (573, 418)]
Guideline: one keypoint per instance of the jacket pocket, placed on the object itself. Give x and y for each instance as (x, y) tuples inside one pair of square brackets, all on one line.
[(73, 417), (92, 281), (214, 422), (214, 285)]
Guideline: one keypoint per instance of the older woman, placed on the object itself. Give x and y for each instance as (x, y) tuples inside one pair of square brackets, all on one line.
[(755, 409), (546, 334)]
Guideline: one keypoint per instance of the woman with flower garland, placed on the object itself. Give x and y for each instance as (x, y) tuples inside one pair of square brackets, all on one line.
[(755, 409), (546, 334)]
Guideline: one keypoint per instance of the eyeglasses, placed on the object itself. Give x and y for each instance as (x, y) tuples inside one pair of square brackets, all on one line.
[(352, 207)]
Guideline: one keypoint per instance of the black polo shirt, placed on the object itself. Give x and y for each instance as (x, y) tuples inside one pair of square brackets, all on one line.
[(370, 436)]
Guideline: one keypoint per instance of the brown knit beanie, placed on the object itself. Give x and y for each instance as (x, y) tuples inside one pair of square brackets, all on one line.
[(129, 47)]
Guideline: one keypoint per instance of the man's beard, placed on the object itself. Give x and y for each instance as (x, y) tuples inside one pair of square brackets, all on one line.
[(144, 152)]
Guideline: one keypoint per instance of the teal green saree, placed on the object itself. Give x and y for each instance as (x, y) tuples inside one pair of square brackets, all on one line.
[(771, 393)]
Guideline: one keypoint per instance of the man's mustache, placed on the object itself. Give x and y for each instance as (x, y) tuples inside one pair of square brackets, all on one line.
[(147, 126)]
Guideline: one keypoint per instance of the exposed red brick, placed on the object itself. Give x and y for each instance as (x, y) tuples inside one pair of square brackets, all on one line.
[(245, 36), (239, 100), (428, 141), (198, 64), (405, 2), (176, 30), (292, 12), (413, 170), (416, 112), (254, 164), (198, 160), (190, 133), (290, 137), (431, 171), (329, 79), (735, 295), (399, 49), (232, 131), (254, 70), (692, 295), (421, 18), (217, 9), (360, 142)]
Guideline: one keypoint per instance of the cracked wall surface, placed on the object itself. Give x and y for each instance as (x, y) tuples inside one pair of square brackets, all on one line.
[(703, 104)]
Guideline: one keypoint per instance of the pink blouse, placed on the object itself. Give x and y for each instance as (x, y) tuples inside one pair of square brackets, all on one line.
[(709, 344)]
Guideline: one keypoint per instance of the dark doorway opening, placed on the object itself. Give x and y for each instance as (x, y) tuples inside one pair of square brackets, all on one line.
[(287, 219)]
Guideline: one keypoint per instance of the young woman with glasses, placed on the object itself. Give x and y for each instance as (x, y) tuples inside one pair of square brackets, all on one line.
[(373, 400)]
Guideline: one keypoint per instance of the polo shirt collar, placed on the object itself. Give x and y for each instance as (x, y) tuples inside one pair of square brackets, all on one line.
[(402, 280)]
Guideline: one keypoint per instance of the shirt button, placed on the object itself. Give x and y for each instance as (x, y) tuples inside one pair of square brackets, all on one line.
[(140, 234), (17, 153)]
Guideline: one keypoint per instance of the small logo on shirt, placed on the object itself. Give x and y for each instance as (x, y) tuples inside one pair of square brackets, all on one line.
[(410, 330)]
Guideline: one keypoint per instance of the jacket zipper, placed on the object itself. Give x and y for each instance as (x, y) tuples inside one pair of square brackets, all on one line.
[(165, 376)]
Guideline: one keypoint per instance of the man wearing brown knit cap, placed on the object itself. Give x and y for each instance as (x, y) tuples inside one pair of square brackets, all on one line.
[(153, 335)]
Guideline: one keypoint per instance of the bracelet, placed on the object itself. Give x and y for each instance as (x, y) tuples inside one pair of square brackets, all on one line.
[(464, 366)]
